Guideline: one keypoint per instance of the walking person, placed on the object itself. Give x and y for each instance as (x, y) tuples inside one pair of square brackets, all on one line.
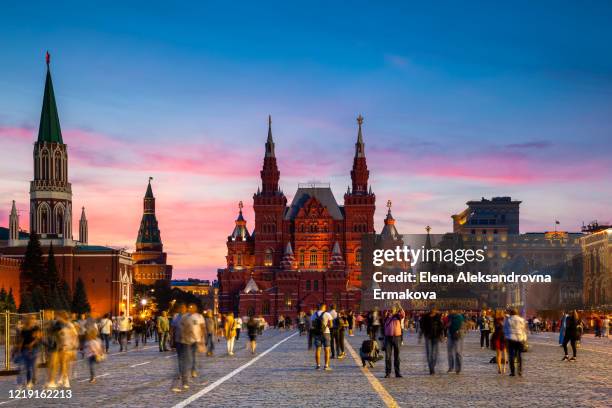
[(106, 329), (321, 324), (163, 330), (515, 331), (67, 345), (432, 329), (454, 345), (335, 325), (252, 328), (123, 326), (498, 342), (484, 325), (140, 326), (374, 323), (350, 319), (94, 353), (193, 329), (229, 330), (210, 323), (393, 338), (572, 335), (28, 344), (182, 354), (238, 322)]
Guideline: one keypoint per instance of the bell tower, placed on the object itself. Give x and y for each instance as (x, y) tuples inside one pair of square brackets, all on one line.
[(269, 206), (50, 191)]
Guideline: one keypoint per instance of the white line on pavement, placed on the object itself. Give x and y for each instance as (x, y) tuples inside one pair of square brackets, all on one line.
[(97, 376), (223, 379), (139, 364)]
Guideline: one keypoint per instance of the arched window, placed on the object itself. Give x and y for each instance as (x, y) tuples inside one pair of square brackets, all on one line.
[(268, 257), (325, 257), (313, 257), (44, 220), (302, 257), (239, 260), (358, 256), (59, 220), (58, 166), (288, 301), (45, 165), (308, 285), (315, 285)]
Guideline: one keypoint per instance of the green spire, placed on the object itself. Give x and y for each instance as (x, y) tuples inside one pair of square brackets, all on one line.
[(49, 129)]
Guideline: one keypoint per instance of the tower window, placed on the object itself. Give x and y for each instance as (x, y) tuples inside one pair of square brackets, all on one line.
[(268, 257), (325, 257), (239, 260), (313, 257), (302, 257), (358, 256)]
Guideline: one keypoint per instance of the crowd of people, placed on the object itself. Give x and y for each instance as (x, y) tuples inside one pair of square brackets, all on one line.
[(63, 338)]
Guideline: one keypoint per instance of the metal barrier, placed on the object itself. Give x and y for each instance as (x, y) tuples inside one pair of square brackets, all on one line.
[(10, 323)]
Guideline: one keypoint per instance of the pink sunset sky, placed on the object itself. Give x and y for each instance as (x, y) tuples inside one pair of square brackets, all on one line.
[(451, 115)]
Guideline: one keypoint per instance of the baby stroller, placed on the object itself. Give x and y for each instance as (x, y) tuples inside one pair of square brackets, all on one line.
[(369, 352)]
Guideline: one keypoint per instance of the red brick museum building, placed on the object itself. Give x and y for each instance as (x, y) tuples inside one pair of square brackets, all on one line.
[(298, 254)]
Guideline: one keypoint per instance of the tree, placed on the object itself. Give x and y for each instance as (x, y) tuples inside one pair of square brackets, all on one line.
[(26, 305), (3, 299), (38, 299), (80, 304), (54, 291), (10, 301), (33, 269), (65, 295)]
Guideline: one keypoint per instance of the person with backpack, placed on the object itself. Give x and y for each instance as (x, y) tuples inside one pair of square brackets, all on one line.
[(393, 338), (321, 324), (431, 327), (454, 345)]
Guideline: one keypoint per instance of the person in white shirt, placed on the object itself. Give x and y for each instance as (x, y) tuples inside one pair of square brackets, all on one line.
[(192, 336), (123, 324), (106, 328), (321, 323), (238, 321)]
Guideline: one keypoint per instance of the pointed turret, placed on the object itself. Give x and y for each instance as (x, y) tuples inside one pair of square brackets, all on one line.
[(13, 225), (148, 234), (360, 173), (83, 229), (49, 129), (240, 233), (269, 173), (337, 260), (251, 286), (389, 232), (288, 258)]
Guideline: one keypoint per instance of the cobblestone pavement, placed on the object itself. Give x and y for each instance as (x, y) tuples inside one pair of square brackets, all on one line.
[(283, 375)]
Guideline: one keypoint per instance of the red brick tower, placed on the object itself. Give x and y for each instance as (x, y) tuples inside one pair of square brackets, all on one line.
[(269, 206), (359, 207)]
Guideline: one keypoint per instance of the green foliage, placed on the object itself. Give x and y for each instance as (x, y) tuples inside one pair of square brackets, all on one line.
[(33, 268), (80, 304), (26, 305)]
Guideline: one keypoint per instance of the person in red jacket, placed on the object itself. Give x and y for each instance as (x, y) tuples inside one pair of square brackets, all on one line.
[(393, 339)]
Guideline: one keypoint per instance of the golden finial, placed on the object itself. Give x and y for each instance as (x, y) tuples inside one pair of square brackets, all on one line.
[(389, 204)]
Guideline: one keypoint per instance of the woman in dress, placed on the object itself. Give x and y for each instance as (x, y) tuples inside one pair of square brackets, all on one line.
[(498, 342)]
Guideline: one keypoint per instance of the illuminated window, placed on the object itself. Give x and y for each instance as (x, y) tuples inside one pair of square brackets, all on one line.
[(268, 257), (313, 257), (358, 256), (239, 259), (325, 257), (302, 257), (288, 301)]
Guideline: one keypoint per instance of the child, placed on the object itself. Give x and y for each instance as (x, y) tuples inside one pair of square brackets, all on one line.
[(93, 352)]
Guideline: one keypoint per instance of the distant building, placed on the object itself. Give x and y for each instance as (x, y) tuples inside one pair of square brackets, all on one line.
[(205, 290), (106, 272), (597, 258), (497, 216), (149, 257)]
